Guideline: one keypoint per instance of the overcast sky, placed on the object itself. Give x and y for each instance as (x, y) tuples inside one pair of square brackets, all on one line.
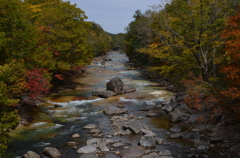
[(113, 15)]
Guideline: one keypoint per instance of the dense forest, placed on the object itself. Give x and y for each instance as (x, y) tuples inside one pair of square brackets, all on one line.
[(41, 43), (196, 45)]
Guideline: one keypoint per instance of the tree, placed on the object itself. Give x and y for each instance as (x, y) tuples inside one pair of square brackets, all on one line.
[(188, 36), (231, 68)]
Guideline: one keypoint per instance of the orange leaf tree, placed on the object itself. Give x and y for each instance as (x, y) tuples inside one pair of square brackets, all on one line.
[(231, 68)]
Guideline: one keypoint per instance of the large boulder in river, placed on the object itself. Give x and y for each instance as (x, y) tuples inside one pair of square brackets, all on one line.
[(103, 93), (115, 85), (31, 154), (51, 152)]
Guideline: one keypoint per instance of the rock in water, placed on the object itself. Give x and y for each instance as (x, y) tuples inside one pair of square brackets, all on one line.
[(51, 152), (133, 151), (110, 110), (115, 85), (103, 93), (31, 154)]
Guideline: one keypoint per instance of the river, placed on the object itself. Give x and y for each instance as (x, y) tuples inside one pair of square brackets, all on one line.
[(54, 126)]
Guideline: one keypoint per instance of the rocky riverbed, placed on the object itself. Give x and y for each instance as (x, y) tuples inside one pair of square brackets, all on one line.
[(150, 121)]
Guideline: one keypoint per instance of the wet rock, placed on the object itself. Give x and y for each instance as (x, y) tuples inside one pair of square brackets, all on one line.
[(147, 132), (176, 128), (75, 135), (111, 110), (165, 153), (172, 88), (117, 145), (151, 114), (31, 154), (51, 152), (147, 141), (193, 118), (103, 147), (90, 126), (94, 141), (176, 136), (109, 141), (103, 93), (190, 135), (87, 149), (94, 131), (133, 151), (115, 85), (128, 89), (71, 144), (134, 126), (176, 115), (126, 132), (151, 155), (107, 59), (150, 103), (168, 108), (158, 140), (182, 106), (89, 155)]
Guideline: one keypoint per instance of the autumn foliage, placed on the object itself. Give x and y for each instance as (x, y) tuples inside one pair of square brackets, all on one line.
[(232, 67)]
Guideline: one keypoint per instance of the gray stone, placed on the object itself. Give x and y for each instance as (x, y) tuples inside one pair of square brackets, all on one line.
[(117, 145), (126, 132), (193, 118), (89, 155), (134, 126), (147, 141), (109, 141), (75, 135), (128, 89), (51, 152), (150, 103), (147, 132), (165, 153), (115, 85), (151, 114), (87, 149), (103, 147), (176, 136), (168, 108), (71, 144), (190, 135), (158, 140), (111, 110), (93, 141), (151, 155), (94, 131), (176, 128), (176, 115), (103, 93), (90, 126), (31, 154), (133, 151), (172, 88)]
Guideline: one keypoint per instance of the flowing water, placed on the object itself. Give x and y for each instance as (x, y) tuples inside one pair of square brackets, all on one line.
[(53, 127)]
